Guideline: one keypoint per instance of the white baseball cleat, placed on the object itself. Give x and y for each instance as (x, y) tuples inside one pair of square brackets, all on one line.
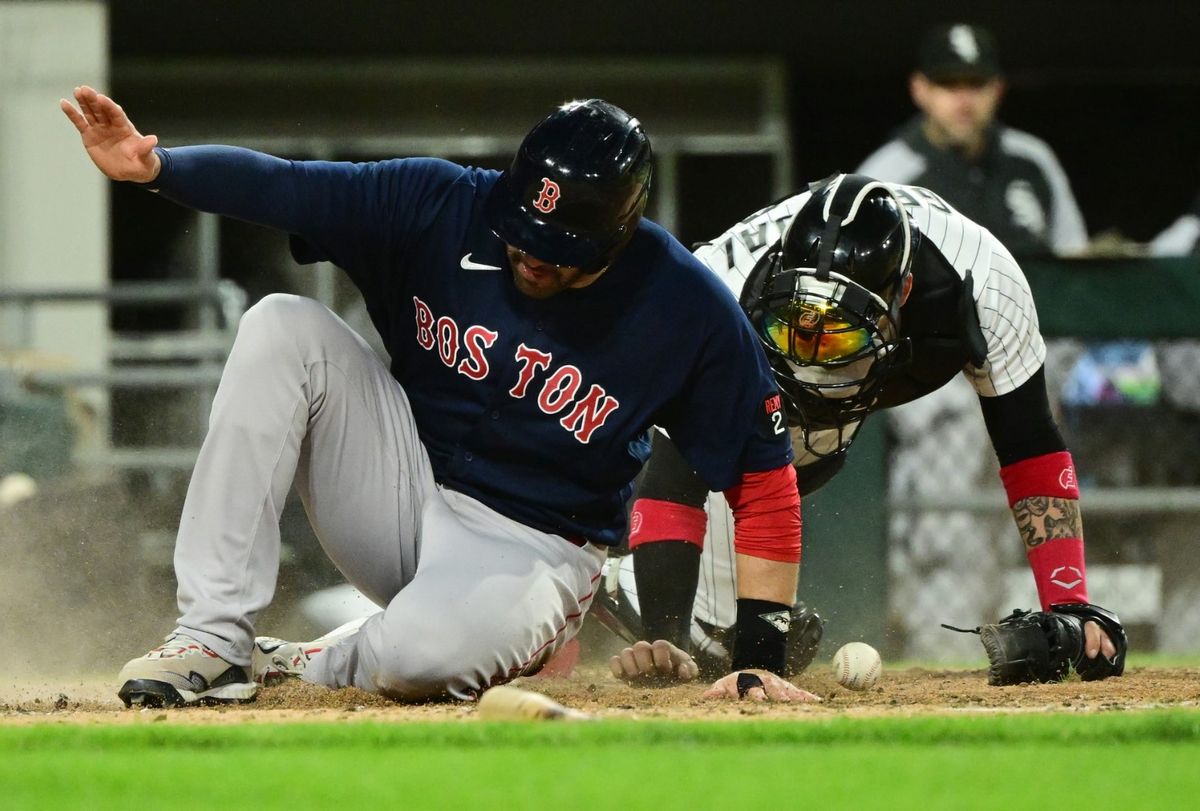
[(274, 660), (183, 671)]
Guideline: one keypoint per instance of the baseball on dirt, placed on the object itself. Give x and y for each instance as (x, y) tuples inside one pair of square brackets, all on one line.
[(857, 665)]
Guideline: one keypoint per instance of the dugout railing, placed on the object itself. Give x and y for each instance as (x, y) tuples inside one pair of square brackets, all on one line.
[(187, 360)]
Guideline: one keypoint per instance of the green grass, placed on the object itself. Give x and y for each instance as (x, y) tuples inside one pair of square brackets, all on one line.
[(1124, 760)]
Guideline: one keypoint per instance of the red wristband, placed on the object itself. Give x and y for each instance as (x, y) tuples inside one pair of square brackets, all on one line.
[(1051, 474), (654, 520), (1059, 572)]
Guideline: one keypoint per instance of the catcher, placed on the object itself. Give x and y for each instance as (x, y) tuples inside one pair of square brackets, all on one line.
[(868, 295)]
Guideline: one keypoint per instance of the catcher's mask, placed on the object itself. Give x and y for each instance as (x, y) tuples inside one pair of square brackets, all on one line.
[(826, 302)]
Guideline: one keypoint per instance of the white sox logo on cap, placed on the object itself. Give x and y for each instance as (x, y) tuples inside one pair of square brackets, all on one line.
[(547, 199), (962, 40)]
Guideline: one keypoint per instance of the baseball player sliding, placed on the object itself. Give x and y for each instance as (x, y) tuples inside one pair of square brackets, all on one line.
[(538, 327), (867, 295)]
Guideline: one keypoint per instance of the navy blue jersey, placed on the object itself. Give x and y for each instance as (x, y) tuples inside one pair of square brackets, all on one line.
[(538, 408)]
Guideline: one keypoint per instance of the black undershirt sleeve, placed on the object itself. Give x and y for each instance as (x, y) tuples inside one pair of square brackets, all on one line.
[(666, 571), (668, 476), (1020, 423)]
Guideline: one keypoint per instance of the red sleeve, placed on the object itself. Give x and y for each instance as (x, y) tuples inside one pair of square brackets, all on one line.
[(657, 520), (1058, 563), (766, 515)]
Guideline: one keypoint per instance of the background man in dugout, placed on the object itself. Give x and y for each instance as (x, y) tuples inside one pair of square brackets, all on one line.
[(1007, 180)]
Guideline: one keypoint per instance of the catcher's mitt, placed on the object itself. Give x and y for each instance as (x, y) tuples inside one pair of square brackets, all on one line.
[(1042, 646)]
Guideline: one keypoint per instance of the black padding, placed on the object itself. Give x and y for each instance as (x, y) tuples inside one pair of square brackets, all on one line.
[(804, 638)]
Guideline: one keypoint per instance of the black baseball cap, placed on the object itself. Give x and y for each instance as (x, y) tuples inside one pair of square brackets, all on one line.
[(958, 51)]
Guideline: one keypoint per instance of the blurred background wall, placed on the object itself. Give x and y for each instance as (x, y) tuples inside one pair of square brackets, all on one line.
[(1113, 86)]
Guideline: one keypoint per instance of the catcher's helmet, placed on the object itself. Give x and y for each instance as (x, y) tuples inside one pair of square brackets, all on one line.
[(826, 300), (576, 188)]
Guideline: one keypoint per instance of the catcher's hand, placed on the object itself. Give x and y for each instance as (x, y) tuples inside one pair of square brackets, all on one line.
[(657, 663), (1043, 646), (757, 685)]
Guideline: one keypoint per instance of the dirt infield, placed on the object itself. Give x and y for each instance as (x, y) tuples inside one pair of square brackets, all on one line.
[(902, 693)]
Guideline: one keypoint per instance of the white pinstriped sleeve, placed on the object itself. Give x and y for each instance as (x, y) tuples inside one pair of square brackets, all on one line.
[(1009, 321), (734, 254)]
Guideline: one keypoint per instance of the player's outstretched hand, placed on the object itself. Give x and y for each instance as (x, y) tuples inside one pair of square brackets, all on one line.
[(111, 140), (757, 685), (659, 662)]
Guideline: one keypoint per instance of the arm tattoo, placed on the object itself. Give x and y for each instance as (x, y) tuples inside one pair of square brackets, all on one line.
[(1041, 518)]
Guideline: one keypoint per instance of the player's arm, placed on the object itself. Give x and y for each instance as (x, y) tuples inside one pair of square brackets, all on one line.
[(1039, 478), (666, 537), (342, 210), (225, 180), (1035, 465), (766, 538)]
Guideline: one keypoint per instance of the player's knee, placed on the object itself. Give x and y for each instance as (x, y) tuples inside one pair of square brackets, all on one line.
[(410, 673), (278, 319), (277, 310)]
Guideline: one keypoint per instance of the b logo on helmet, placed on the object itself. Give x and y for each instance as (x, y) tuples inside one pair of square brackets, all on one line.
[(547, 199)]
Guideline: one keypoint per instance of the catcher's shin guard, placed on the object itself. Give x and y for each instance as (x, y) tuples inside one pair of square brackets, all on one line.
[(804, 637)]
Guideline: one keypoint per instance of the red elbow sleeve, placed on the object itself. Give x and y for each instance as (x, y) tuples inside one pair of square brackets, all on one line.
[(766, 515)]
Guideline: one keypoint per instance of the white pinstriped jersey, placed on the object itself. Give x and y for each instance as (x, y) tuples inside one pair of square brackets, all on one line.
[(1003, 302)]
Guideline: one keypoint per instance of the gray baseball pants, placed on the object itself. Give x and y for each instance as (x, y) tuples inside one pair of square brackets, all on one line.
[(471, 597)]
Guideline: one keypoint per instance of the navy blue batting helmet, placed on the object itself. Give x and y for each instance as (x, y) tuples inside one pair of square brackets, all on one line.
[(576, 188)]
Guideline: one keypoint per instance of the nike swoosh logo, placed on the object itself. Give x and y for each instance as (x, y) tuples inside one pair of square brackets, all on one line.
[(467, 264)]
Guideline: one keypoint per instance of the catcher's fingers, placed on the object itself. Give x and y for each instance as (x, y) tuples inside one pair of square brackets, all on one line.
[(769, 686), (1096, 641)]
